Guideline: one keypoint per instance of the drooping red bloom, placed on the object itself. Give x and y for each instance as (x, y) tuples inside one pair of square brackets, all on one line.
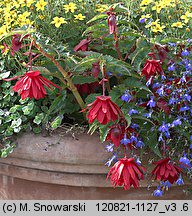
[(115, 134), (32, 85), (103, 109), (83, 45), (16, 43), (166, 170), (112, 22), (151, 68), (95, 69), (87, 88), (126, 172)]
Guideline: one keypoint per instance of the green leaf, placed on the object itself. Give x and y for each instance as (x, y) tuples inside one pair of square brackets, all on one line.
[(38, 118), (103, 129), (142, 118), (16, 123), (82, 79), (128, 119), (37, 130), (4, 75), (1, 112), (58, 103), (97, 17), (93, 127), (57, 122), (135, 83)]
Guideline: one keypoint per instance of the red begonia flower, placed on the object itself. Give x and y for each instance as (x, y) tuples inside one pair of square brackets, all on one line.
[(16, 43), (87, 88), (95, 69), (151, 68), (126, 172), (83, 45), (103, 109), (112, 22), (166, 170), (32, 85), (115, 134)]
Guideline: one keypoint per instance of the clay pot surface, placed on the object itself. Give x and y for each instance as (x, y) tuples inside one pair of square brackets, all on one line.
[(63, 167)]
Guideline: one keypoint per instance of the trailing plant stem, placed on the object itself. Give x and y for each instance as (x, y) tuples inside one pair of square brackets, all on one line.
[(66, 76)]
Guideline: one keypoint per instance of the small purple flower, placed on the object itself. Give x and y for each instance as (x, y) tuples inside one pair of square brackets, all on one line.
[(185, 108), (133, 138), (158, 192), (163, 128), (148, 83), (151, 102), (156, 85), (133, 111), (171, 67), (180, 181), (114, 157), (148, 115), (160, 91), (109, 147), (138, 162), (190, 146), (185, 160), (163, 77), (134, 126), (176, 122), (126, 97), (142, 20), (185, 53), (191, 137), (125, 141), (172, 100), (109, 73), (172, 44), (140, 144), (183, 79), (187, 97), (160, 138), (166, 184)]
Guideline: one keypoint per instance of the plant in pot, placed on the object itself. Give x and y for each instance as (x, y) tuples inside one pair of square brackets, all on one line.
[(113, 72)]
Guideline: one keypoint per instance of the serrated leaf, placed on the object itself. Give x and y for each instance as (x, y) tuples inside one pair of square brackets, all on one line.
[(82, 80), (135, 83), (58, 103), (97, 17)]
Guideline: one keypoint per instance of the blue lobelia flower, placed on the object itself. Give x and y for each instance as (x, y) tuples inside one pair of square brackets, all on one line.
[(133, 111), (125, 141), (172, 44), (160, 91), (185, 53), (184, 160), (138, 162), (142, 20), (180, 181), (158, 192), (140, 144), (176, 122), (185, 108), (126, 97), (114, 157), (151, 102), (164, 128), (187, 97), (171, 67), (109, 147)]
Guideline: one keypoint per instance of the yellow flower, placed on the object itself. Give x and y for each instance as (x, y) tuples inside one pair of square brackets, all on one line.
[(29, 2), (177, 25), (71, 7), (101, 8), (3, 30), (157, 7), (79, 17), (157, 28), (146, 2), (41, 17), (187, 29), (41, 5), (186, 17), (58, 21)]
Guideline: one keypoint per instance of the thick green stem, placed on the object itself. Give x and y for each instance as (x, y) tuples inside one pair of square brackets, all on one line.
[(66, 76)]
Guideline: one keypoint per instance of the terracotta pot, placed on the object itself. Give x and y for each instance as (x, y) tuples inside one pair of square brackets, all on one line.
[(56, 167)]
